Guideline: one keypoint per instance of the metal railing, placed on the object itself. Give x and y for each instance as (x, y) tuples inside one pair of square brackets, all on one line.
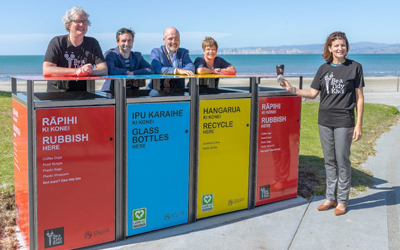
[(398, 77)]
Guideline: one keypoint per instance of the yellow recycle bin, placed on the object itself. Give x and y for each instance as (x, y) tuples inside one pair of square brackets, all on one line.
[(223, 165)]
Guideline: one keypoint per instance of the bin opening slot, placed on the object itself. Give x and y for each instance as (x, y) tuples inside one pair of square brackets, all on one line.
[(212, 91), (169, 92), (137, 92), (266, 89), (260, 89), (61, 96)]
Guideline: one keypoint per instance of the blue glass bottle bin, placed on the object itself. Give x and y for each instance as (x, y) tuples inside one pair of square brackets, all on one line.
[(157, 166)]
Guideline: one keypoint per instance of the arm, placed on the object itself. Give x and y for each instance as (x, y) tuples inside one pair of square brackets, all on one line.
[(156, 61), (201, 68), (310, 94), (227, 71), (360, 112), (187, 62), (222, 67), (100, 70), (51, 69), (101, 65), (144, 67), (113, 65), (184, 72), (204, 70)]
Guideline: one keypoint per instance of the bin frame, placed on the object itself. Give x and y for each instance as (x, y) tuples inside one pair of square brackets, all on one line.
[(254, 131), (32, 103), (255, 94), (122, 101)]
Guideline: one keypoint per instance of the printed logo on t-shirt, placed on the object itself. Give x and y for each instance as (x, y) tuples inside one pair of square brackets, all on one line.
[(72, 61), (333, 85)]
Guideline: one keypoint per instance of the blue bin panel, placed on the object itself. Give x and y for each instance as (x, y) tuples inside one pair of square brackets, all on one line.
[(157, 166)]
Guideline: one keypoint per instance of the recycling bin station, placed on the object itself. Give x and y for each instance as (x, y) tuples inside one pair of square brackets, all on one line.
[(93, 166), (64, 165)]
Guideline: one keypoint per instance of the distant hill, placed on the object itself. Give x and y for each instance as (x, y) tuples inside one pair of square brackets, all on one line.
[(355, 48)]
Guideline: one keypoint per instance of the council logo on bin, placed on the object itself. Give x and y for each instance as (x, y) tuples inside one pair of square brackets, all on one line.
[(139, 217), (207, 202), (88, 235), (54, 237), (265, 192)]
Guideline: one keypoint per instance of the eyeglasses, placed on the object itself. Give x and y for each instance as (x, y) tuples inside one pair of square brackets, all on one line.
[(83, 22)]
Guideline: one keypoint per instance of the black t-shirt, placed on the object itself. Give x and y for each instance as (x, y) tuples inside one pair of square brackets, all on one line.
[(337, 86), (61, 52)]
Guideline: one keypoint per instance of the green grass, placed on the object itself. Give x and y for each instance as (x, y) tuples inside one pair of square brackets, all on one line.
[(6, 149), (377, 119)]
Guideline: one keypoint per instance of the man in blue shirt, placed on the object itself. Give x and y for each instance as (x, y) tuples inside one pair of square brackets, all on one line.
[(170, 59), (122, 61)]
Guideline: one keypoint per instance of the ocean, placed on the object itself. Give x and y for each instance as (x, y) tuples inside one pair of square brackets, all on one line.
[(305, 65)]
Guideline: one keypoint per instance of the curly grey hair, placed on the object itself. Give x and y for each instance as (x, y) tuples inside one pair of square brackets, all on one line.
[(67, 18)]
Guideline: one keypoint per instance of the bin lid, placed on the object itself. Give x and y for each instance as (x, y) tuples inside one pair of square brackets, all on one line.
[(58, 78), (152, 76)]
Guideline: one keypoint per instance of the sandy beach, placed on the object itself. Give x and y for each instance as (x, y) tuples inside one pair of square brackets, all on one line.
[(372, 84)]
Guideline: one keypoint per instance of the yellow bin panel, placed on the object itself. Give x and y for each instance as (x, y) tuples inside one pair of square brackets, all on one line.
[(224, 138)]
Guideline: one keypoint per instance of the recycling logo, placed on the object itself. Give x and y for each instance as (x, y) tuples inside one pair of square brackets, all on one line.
[(139, 217), (207, 202)]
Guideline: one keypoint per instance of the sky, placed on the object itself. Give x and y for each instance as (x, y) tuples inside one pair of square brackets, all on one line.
[(27, 26)]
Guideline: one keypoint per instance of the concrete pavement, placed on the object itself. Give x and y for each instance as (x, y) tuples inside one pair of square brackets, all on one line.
[(388, 98)]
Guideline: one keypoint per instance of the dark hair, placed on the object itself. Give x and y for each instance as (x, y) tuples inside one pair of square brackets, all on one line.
[(209, 41), (337, 35), (124, 31)]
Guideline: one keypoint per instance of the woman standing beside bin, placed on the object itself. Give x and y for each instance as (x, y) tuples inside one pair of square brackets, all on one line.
[(340, 83)]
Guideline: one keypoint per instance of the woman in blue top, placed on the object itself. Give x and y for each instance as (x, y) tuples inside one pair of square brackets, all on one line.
[(211, 63), (340, 83)]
